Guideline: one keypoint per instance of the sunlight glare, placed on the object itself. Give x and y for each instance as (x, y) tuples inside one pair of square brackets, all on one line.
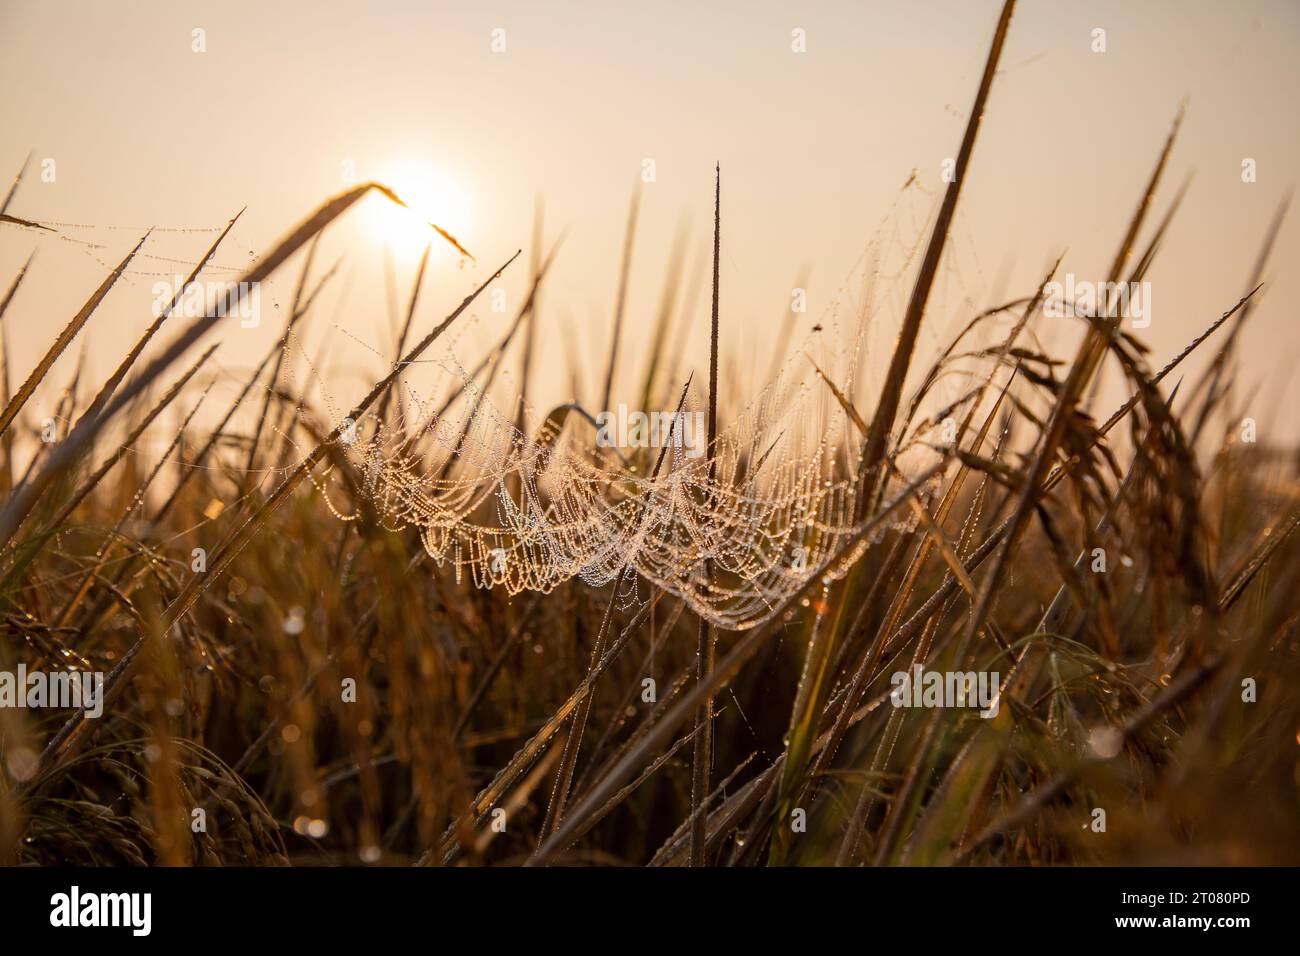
[(432, 195)]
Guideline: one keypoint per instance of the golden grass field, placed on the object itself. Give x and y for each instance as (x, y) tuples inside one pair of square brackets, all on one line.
[(319, 691)]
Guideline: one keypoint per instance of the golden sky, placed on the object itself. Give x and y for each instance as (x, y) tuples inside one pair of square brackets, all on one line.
[(287, 99)]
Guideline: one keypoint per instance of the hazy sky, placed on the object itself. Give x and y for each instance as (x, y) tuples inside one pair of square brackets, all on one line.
[(289, 97)]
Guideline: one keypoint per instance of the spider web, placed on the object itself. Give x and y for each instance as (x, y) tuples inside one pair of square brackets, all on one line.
[(529, 512)]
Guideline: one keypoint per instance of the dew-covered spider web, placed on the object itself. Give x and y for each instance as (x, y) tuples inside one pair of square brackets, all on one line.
[(527, 512), (527, 501)]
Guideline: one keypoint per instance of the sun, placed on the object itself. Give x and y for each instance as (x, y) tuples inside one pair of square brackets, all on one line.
[(432, 195)]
